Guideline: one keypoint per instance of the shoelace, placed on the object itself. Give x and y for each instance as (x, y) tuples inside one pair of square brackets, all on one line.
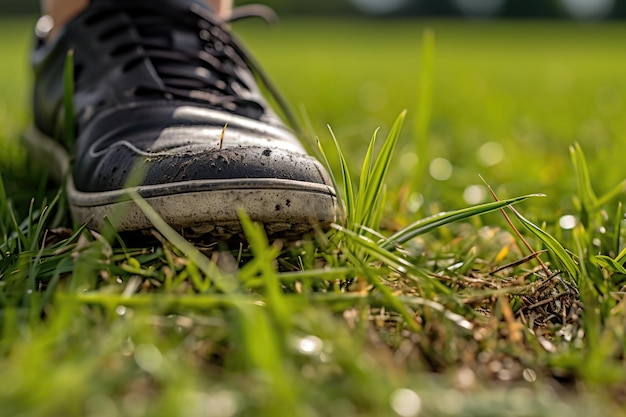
[(266, 13), (209, 70)]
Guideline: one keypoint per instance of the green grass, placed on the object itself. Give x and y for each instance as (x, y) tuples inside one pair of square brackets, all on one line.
[(532, 88), (411, 314)]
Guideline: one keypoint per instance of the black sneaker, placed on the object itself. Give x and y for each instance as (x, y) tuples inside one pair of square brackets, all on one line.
[(156, 82)]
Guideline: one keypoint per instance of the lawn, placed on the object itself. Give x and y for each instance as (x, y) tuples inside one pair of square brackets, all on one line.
[(455, 322)]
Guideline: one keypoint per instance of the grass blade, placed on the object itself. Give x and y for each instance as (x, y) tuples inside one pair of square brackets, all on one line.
[(430, 223), (367, 163), (391, 259), (368, 201), (265, 257), (610, 195), (424, 101), (68, 99), (610, 264), (385, 291), (348, 193), (4, 210), (366, 171), (587, 197), (204, 264), (617, 227), (567, 264), (621, 258)]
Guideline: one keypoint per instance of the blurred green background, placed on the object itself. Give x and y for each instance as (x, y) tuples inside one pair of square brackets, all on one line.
[(471, 8), (510, 96)]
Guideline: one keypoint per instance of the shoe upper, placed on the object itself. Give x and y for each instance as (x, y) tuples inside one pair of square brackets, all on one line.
[(162, 85)]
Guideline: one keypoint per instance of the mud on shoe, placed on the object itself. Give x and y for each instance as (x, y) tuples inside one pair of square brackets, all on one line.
[(162, 89)]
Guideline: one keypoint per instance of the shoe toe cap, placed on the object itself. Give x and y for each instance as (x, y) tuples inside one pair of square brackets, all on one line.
[(124, 165), (170, 144)]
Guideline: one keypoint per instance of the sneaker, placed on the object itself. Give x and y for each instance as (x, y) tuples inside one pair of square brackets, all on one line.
[(163, 89)]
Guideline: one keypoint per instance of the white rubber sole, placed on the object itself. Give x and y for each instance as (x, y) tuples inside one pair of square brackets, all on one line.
[(198, 208)]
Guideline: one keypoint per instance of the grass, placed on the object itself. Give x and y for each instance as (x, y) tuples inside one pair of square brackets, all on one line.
[(397, 311)]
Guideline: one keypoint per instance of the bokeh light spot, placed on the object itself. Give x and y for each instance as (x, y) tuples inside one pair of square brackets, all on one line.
[(440, 169), (310, 345), (408, 160), (491, 153), (406, 402), (415, 202), (567, 222), (475, 194)]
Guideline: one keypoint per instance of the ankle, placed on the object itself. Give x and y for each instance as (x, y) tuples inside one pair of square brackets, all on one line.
[(222, 8)]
